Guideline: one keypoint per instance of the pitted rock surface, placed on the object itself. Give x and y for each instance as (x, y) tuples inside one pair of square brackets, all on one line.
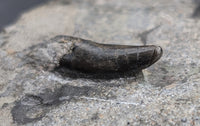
[(167, 94)]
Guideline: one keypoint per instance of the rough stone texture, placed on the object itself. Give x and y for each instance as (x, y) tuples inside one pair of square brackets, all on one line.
[(169, 94)]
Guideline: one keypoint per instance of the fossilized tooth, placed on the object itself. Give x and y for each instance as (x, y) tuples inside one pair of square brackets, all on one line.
[(91, 57)]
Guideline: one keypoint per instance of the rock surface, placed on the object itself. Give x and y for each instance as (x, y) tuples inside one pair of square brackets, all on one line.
[(168, 93)]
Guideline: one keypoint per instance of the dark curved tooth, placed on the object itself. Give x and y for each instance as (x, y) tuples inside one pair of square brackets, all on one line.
[(87, 56)]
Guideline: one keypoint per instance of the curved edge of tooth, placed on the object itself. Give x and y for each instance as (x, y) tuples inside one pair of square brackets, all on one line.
[(157, 54)]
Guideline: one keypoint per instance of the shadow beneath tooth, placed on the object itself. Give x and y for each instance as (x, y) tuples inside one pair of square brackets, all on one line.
[(65, 72)]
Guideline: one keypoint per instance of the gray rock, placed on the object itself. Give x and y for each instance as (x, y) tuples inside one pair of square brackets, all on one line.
[(168, 93)]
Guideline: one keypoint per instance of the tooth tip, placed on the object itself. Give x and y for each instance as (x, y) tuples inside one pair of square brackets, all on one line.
[(159, 51), (157, 54)]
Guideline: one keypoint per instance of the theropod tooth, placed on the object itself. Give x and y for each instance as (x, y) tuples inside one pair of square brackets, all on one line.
[(91, 57)]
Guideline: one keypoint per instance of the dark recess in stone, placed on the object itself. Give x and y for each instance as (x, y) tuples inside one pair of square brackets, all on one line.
[(196, 13), (10, 10), (95, 116), (39, 105)]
